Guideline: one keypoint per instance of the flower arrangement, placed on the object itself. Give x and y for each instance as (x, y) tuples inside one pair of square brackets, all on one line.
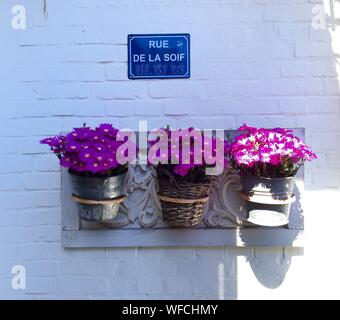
[(182, 159), (270, 153), (185, 154), (89, 152)]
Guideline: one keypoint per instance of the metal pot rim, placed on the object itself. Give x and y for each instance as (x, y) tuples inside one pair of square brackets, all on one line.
[(266, 178), (97, 177)]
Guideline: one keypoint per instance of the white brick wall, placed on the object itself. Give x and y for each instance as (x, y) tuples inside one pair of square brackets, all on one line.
[(254, 61)]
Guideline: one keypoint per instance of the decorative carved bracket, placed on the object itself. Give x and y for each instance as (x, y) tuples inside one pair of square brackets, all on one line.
[(142, 208)]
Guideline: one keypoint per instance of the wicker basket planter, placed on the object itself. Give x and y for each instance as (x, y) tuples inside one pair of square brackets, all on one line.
[(98, 198), (183, 204)]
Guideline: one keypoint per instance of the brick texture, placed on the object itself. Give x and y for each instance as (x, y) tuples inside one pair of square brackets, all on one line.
[(256, 61)]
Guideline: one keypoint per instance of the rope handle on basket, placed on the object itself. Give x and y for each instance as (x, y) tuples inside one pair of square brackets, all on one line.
[(102, 202), (182, 201)]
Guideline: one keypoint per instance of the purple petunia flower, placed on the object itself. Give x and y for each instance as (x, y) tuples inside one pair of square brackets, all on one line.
[(107, 130), (87, 150), (94, 167), (87, 155), (66, 162), (73, 146), (186, 149)]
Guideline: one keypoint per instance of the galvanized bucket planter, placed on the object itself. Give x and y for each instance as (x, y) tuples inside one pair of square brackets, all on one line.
[(98, 198), (268, 200)]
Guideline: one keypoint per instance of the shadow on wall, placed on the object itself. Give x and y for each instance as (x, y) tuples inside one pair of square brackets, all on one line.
[(270, 265), (212, 273)]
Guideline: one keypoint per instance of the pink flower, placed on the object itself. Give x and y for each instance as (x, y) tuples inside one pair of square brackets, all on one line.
[(273, 152), (189, 149)]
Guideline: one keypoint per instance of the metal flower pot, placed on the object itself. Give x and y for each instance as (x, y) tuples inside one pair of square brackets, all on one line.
[(98, 198), (268, 200)]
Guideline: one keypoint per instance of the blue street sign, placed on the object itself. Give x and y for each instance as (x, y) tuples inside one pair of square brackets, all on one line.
[(158, 56)]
